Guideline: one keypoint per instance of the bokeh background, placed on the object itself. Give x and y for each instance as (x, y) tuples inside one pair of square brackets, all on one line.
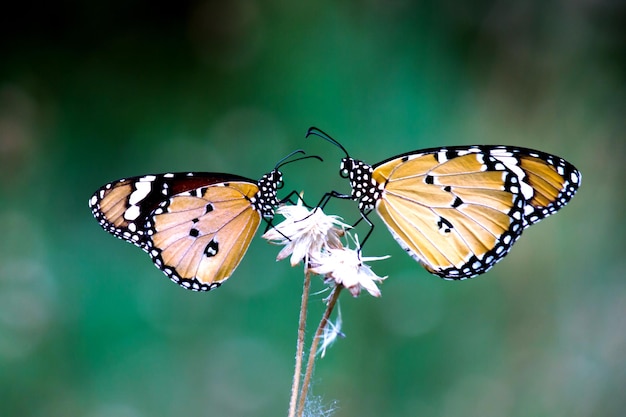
[(95, 91)]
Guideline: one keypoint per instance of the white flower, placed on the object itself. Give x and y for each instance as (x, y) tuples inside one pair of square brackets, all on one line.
[(346, 267), (305, 232)]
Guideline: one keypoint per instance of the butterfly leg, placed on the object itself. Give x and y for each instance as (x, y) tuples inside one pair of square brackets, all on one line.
[(369, 223), (288, 199), (333, 194), (284, 200), (324, 200), (321, 204), (364, 215), (269, 225)]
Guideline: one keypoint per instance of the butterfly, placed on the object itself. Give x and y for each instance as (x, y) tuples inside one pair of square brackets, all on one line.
[(458, 210), (195, 226)]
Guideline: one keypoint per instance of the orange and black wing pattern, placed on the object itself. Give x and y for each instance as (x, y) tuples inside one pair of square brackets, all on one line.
[(196, 227), (458, 210), (199, 237)]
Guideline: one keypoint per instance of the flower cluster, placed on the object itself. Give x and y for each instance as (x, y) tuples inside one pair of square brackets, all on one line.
[(315, 238)]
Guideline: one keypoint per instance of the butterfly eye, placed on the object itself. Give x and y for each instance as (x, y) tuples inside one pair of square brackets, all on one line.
[(279, 180), (344, 168)]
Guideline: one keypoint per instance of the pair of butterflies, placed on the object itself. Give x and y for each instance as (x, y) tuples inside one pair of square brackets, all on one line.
[(456, 210)]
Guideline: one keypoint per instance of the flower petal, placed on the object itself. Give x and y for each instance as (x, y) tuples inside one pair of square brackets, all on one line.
[(345, 267), (305, 232)]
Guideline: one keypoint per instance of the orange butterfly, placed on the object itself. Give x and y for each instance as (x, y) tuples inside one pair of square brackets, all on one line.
[(195, 226), (458, 210)]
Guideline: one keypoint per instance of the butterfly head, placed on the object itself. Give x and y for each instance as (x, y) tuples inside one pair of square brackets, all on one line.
[(365, 189), (265, 199)]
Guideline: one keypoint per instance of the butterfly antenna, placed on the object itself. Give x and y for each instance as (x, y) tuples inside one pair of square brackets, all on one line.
[(284, 161), (317, 132)]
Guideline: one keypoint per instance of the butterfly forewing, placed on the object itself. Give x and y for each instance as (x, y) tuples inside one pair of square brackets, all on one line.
[(553, 180), (123, 206), (111, 206), (456, 212)]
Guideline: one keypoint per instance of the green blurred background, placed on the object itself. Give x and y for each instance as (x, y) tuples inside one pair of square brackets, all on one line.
[(95, 91)]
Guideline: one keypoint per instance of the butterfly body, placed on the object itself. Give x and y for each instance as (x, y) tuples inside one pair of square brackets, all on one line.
[(196, 227), (458, 210)]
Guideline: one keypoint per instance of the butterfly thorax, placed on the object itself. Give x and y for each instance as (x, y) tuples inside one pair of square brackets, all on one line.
[(365, 189), (265, 199)]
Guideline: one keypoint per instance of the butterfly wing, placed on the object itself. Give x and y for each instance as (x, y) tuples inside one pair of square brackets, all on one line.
[(199, 237), (459, 210), (196, 227)]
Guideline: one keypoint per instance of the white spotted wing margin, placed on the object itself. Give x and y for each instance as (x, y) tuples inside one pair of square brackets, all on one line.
[(196, 227)]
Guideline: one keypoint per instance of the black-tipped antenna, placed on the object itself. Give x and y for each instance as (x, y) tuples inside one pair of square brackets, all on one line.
[(317, 132), (285, 161), (280, 163)]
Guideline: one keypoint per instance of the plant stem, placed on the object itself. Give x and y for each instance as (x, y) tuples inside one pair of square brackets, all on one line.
[(313, 351), (297, 373)]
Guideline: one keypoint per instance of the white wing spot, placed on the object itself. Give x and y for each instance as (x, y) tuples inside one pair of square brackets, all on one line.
[(500, 152), (131, 213), (142, 190), (527, 191)]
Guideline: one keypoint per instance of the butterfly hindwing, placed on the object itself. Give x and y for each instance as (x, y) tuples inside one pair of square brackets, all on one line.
[(199, 237)]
